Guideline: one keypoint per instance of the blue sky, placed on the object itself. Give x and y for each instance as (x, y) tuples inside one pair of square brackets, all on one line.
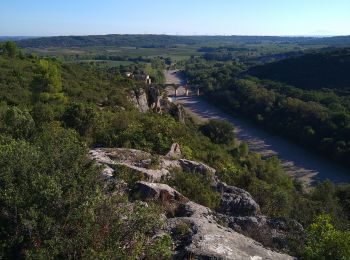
[(194, 17)]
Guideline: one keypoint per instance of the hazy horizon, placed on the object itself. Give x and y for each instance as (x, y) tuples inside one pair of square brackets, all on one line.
[(192, 35), (41, 18)]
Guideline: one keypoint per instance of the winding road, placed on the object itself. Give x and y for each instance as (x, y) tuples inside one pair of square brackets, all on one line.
[(296, 161)]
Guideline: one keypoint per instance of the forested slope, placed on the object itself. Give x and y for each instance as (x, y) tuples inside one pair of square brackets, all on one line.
[(329, 69), (149, 40)]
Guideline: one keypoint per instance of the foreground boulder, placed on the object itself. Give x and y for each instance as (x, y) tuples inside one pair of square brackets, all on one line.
[(206, 239), (195, 229)]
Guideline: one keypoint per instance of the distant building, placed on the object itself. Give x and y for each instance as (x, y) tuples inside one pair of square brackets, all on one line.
[(144, 77), (128, 74)]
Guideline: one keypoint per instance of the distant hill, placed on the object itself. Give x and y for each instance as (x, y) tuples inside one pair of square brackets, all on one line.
[(151, 40), (15, 38), (329, 69), (336, 41), (106, 40)]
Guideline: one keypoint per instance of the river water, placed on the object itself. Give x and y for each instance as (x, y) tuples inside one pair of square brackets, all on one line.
[(296, 161)]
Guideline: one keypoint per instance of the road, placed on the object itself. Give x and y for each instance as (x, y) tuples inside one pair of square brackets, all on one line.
[(296, 161)]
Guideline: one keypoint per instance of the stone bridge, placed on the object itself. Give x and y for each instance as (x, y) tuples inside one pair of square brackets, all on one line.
[(188, 89)]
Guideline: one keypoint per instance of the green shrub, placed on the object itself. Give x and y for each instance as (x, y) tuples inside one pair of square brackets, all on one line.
[(196, 187), (130, 176), (19, 123), (160, 248), (219, 131), (182, 229), (53, 206), (325, 242)]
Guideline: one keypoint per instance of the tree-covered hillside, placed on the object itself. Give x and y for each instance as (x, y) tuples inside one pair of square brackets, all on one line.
[(149, 40), (317, 119), (120, 40), (329, 69)]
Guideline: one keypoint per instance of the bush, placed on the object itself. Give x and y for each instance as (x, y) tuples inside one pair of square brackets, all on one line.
[(160, 248), (325, 242), (196, 187), (80, 117), (182, 229), (219, 131), (53, 206), (19, 123), (130, 176)]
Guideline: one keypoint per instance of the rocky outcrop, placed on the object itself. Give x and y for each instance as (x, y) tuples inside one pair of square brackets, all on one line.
[(245, 233), (140, 100), (195, 167), (178, 112), (148, 98), (207, 239), (276, 233), (236, 202), (142, 162), (135, 160), (241, 213), (175, 152), (153, 98), (160, 192)]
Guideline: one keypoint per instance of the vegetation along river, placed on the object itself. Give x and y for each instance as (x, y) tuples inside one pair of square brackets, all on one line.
[(296, 160)]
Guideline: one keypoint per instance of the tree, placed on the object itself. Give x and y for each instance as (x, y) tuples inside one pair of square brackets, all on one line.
[(19, 123), (325, 242), (219, 131), (47, 84), (50, 77), (80, 117), (10, 49)]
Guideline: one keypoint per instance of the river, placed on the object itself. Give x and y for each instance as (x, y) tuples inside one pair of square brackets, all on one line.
[(296, 161)]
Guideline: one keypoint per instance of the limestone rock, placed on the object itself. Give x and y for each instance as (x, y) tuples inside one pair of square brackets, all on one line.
[(133, 159), (236, 202), (178, 112), (158, 192), (153, 98), (139, 99), (198, 167), (145, 99), (271, 232), (139, 161), (175, 152), (168, 197), (209, 240)]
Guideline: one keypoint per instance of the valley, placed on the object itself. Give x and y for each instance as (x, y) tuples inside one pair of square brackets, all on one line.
[(296, 161)]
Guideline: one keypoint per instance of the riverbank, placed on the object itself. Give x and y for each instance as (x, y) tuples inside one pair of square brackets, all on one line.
[(296, 161)]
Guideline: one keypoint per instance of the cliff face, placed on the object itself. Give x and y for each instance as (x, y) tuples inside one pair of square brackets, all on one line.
[(204, 235), (151, 98), (140, 100)]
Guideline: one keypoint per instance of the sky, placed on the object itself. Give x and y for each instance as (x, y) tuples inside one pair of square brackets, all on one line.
[(176, 17)]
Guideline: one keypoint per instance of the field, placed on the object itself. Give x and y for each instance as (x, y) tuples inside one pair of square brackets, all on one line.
[(250, 53)]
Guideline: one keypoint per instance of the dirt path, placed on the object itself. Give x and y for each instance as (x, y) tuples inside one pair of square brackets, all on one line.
[(295, 160)]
